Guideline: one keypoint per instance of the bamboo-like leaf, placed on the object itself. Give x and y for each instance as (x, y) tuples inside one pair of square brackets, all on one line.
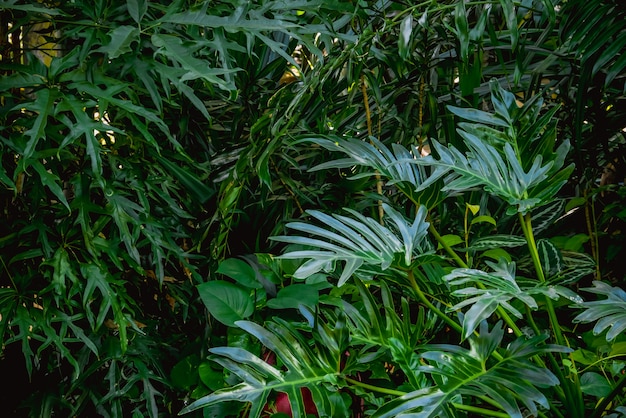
[(121, 39)]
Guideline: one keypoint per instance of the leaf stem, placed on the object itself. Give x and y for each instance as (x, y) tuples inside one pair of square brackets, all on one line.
[(526, 223), (459, 261), (482, 412), (571, 387), (374, 388), (422, 297)]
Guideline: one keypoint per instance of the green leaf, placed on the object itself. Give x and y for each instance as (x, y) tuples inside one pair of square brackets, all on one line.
[(43, 106), (63, 270), (512, 381), (497, 241), (358, 241), (184, 374), (462, 30), (191, 182), (550, 257), (497, 253), (173, 48), (609, 313), (137, 9), (122, 38), (293, 296), (478, 116), (406, 29), (97, 278), (495, 289), (51, 181), (212, 378), (226, 301), (575, 242), (508, 8), (423, 403), (303, 366), (240, 271), (30, 8), (451, 240), (595, 384), (483, 219)]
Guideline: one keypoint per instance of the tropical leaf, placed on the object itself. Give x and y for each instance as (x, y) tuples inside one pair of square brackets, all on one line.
[(495, 161), (227, 302), (303, 368), (395, 164), (608, 314), (496, 289), (358, 241), (511, 380)]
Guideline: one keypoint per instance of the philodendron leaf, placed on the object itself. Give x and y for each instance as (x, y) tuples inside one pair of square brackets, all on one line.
[(301, 367), (609, 313), (512, 381), (497, 288), (595, 384), (226, 301), (357, 241), (498, 159)]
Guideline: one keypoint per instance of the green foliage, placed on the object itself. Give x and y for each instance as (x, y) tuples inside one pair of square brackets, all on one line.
[(149, 148), (500, 373)]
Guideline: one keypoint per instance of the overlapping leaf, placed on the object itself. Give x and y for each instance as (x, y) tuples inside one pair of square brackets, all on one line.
[(511, 380), (395, 164), (304, 367), (357, 241), (494, 289)]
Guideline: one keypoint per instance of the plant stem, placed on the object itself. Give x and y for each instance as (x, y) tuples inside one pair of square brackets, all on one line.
[(574, 401), (374, 388), (422, 297), (590, 218), (501, 312), (459, 261), (368, 118), (480, 411), (525, 221)]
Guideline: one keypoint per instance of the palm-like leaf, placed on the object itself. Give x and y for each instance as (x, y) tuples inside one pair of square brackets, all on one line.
[(609, 313), (304, 368), (497, 288), (510, 380), (358, 241)]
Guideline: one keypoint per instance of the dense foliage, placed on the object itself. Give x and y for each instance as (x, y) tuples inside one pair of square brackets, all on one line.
[(314, 207)]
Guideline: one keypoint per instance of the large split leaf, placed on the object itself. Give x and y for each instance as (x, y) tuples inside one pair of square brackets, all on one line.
[(511, 380), (303, 367), (358, 241)]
